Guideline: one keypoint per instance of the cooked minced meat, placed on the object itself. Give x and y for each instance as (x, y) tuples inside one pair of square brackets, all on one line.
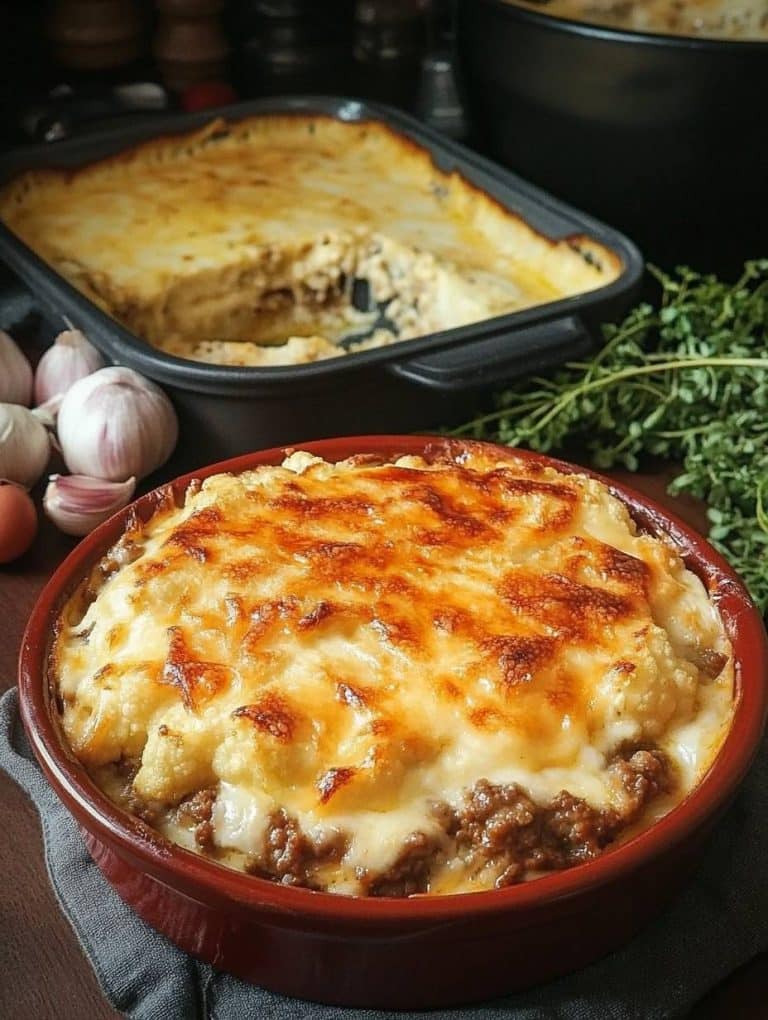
[(290, 857), (199, 810), (643, 775), (502, 828), (411, 871), (499, 833)]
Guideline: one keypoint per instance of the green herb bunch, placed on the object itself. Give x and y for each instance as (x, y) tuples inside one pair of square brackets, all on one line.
[(686, 381)]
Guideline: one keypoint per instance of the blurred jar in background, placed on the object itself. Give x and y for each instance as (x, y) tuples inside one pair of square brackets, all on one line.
[(440, 102), (388, 46), (284, 47), (189, 45), (95, 35)]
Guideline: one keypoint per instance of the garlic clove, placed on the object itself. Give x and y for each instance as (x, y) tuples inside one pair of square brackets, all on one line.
[(15, 373), (115, 423), (48, 411), (77, 504), (70, 358), (25, 446)]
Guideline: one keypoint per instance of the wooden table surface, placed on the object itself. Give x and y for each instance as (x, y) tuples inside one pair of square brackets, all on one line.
[(43, 973)]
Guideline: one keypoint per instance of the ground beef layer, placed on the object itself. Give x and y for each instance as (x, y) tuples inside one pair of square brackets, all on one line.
[(497, 836)]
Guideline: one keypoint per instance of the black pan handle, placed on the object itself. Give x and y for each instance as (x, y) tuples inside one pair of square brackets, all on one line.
[(498, 359)]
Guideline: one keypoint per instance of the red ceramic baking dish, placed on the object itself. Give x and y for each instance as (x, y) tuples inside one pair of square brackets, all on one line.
[(399, 953)]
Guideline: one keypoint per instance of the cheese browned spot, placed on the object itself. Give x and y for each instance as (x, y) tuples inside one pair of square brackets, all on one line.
[(431, 675), (268, 241)]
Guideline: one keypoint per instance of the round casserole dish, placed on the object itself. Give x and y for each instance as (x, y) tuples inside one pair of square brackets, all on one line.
[(442, 949), (655, 133)]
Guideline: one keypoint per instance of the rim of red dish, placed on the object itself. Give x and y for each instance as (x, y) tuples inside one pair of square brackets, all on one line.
[(207, 879)]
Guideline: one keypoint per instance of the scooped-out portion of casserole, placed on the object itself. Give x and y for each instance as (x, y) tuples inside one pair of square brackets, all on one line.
[(432, 675), (287, 239)]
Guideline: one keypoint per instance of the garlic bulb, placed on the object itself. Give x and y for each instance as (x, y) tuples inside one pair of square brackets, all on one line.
[(70, 358), (114, 424), (77, 504), (15, 373), (24, 445)]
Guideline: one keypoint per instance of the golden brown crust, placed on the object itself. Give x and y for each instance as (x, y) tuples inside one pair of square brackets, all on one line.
[(351, 644), (220, 243)]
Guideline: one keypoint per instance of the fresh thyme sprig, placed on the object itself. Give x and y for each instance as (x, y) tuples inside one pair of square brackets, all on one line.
[(686, 381)]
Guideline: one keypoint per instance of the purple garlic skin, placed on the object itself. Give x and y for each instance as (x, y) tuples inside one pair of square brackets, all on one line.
[(15, 373), (115, 424), (70, 359), (77, 504)]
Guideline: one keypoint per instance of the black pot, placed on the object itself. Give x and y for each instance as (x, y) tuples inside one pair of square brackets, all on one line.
[(663, 136)]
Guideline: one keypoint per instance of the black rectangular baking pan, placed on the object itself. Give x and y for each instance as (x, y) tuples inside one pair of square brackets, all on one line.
[(414, 384)]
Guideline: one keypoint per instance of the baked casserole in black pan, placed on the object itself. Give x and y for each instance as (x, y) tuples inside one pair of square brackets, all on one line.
[(318, 249)]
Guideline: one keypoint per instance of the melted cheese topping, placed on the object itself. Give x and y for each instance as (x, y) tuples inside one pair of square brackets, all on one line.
[(709, 19), (215, 244), (356, 642)]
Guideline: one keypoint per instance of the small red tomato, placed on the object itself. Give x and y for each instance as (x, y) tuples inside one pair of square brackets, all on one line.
[(18, 522), (206, 94)]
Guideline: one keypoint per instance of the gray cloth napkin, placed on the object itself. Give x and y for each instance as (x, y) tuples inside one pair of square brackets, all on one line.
[(718, 922)]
